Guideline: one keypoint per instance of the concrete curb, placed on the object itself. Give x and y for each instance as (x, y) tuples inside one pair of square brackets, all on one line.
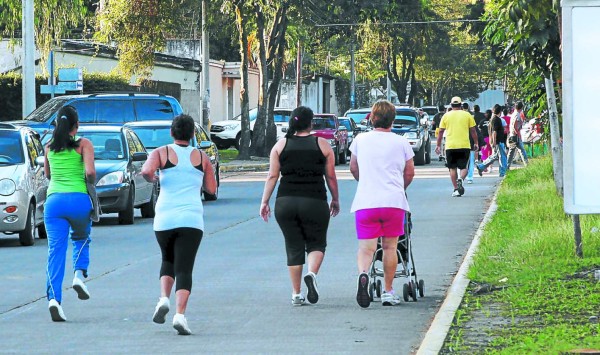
[(243, 168), (438, 330)]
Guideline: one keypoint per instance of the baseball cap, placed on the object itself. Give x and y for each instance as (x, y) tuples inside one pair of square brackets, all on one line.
[(455, 100)]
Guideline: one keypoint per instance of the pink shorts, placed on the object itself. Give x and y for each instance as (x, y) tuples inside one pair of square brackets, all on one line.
[(379, 222)]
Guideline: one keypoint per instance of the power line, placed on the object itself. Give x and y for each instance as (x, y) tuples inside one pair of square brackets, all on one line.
[(397, 23)]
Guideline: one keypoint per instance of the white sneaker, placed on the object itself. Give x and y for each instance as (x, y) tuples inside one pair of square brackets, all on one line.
[(311, 284), (80, 288), (161, 310), (56, 311), (297, 299), (456, 193), (469, 181), (390, 299), (180, 324)]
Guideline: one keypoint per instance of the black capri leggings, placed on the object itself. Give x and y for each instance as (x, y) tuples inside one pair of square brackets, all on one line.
[(304, 223), (179, 247)]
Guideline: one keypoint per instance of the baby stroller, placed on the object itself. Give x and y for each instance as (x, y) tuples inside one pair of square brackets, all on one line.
[(406, 267)]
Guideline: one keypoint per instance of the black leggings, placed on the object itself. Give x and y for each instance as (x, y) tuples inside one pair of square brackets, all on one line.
[(304, 223), (178, 247)]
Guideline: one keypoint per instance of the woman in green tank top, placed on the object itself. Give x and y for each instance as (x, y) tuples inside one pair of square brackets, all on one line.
[(69, 163)]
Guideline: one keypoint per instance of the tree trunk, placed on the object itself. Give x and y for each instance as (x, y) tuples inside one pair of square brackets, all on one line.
[(556, 147), (258, 147), (244, 150)]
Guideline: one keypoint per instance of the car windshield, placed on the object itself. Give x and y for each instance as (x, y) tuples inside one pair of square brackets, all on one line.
[(107, 145), (323, 123), (154, 137), (346, 124), (281, 117), (431, 111), (404, 120), (10, 148), (47, 110), (357, 116)]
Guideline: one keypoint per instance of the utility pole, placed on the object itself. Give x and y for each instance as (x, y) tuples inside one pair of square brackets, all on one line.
[(28, 60), (388, 91), (205, 70), (299, 75), (352, 77)]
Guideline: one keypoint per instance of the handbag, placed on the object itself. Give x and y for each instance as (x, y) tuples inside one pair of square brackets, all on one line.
[(96, 212)]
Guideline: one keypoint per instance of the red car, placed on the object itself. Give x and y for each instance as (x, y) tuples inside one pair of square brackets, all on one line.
[(327, 126)]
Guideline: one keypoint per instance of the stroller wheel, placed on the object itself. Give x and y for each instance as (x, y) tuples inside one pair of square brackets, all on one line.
[(413, 291), (421, 288), (405, 292), (378, 288), (371, 291)]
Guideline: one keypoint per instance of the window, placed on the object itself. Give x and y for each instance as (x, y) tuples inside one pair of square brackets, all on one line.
[(130, 144), (153, 109), (115, 111), (31, 149), (202, 134), (47, 110), (107, 145), (154, 137), (405, 120), (347, 124), (10, 148), (323, 123), (139, 147), (281, 116), (86, 110)]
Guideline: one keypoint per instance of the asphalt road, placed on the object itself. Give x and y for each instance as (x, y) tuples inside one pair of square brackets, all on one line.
[(240, 301)]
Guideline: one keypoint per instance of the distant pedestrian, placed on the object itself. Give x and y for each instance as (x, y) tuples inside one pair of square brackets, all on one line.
[(69, 163), (382, 163), (515, 141), (506, 124), (184, 172), (478, 116), (459, 125), (496, 140), (483, 125), (473, 153), (305, 163), (438, 118)]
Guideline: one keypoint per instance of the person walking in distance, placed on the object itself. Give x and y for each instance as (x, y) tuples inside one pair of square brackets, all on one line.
[(496, 140), (438, 118), (184, 172), (305, 163), (382, 163), (474, 153), (69, 163), (459, 125), (514, 137)]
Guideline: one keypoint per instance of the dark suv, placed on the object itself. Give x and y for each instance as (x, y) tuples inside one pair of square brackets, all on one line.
[(104, 108)]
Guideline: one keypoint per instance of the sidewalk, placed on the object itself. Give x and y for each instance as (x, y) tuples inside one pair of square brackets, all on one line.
[(254, 164)]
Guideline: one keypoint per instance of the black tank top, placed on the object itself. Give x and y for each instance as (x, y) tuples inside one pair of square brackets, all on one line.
[(302, 168)]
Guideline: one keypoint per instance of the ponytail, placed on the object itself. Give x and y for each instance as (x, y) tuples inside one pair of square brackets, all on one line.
[(66, 120)]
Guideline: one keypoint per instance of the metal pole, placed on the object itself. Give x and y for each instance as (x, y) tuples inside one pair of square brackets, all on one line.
[(205, 70), (352, 77), (556, 148), (28, 63), (299, 76), (51, 81), (388, 91)]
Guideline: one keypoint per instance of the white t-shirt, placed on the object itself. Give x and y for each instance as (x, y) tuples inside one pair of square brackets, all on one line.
[(381, 160)]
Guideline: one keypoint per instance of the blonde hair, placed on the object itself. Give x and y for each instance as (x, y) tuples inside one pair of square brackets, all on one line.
[(383, 113)]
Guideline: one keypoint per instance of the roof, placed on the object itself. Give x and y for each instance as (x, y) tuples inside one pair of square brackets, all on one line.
[(99, 128), (150, 123)]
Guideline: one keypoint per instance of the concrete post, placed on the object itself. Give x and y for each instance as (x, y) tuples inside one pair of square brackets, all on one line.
[(28, 60)]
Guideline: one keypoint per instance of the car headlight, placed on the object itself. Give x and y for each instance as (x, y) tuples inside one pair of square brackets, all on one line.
[(111, 179), (229, 127), (411, 135), (7, 187)]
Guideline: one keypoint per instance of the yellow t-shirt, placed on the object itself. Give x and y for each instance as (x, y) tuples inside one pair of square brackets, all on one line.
[(457, 124)]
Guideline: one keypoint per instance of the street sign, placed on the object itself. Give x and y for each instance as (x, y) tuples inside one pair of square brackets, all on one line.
[(70, 85), (70, 74), (47, 89)]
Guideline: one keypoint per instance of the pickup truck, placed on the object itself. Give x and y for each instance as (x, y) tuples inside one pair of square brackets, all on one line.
[(327, 126)]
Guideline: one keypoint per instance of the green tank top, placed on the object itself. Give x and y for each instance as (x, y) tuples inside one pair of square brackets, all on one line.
[(67, 172)]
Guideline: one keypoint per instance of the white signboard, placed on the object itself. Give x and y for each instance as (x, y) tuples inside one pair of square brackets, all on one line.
[(581, 117)]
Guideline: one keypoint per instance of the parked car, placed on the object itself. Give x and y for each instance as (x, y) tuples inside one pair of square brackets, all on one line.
[(119, 155), (109, 109), (408, 124), (430, 110), (154, 134), (23, 185), (229, 133), (359, 115), (352, 128), (327, 125)]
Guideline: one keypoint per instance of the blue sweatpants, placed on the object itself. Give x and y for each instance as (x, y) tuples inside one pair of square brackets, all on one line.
[(66, 215)]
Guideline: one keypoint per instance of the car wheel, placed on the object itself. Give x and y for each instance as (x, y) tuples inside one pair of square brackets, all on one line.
[(342, 158), (428, 153), (126, 216), (420, 156), (42, 234), (211, 197), (147, 208), (27, 235)]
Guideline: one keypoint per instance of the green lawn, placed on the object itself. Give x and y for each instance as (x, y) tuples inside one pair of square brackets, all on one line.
[(544, 295), (227, 155)]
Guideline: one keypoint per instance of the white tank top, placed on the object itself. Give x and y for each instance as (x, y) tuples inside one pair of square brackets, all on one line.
[(179, 202)]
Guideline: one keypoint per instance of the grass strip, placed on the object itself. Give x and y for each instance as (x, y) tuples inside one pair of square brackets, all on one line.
[(529, 292), (227, 155)]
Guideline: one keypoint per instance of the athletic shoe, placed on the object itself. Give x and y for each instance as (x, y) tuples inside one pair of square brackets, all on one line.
[(461, 189), (362, 294), (310, 279), (479, 170), (161, 310), (390, 299), (80, 288), (469, 181), (297, 299), (56, 311), (455, 193), (180, 324)]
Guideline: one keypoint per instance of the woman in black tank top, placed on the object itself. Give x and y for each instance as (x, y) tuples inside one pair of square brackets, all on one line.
[(305, 163)]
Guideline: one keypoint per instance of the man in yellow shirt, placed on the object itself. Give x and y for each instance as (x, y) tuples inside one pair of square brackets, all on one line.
[(457, 125)]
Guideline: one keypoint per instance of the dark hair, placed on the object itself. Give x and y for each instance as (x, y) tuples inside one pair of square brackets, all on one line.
[(488, 113), (476, 108), (66, 119), (519, 105), (442, 108), (465, 106), (505, 111), (182, 127), (383, 114), (300, 120), (498, 109)]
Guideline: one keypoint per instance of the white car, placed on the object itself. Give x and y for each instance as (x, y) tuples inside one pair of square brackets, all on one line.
[(228, 133)]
